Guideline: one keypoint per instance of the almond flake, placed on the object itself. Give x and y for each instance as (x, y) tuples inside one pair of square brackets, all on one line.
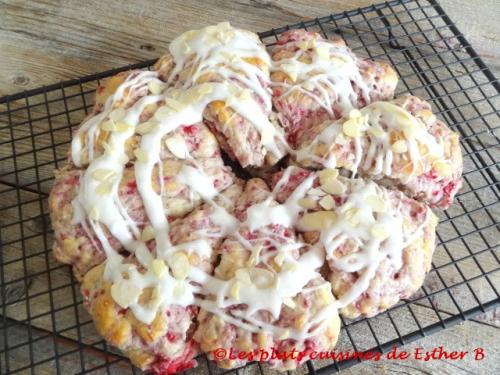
[(289, 302), (103, 188), (108, 126), (307, 203), (243, 276), (284, 334), (290, 267), (316, 192), (235, 290), (355, 113), (148, 233), (443, 168), (179, 265), (334, 187), (376, 203), (141, 155), (174, 104), (399, 147), (327, 202), (323, 51), (124, 293), (108, 148), (94, 214), (145, 127), (177, 146), (103, 174), (351, 128), (245, 95), (159, 267), (279, 259), (309, 85), (352, 216), (291, 70), (121, 127), (117, 114), (163, 113), (267, 136), (204, 89), (156, 87), (328, 174), (380, 232), (317, 221)]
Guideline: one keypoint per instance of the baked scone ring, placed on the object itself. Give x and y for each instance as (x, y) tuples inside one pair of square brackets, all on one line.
[(75, 239), (239, 58), (378, 242), (247, 334), (400, 143), (315, 79)]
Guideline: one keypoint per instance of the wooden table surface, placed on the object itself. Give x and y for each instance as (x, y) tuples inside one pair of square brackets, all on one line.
[(48, 41)]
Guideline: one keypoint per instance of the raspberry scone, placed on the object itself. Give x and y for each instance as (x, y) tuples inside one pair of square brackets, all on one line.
[(400, 143), (378, 242), (239, 115), (74, 217), (315, 79), (267, 294)]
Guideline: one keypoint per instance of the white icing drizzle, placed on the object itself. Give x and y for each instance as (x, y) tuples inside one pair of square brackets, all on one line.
[(166, 270), (370, 129), (328, 78)]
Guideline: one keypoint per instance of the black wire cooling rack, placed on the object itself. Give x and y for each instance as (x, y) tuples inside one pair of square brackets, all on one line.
[(44, 328)]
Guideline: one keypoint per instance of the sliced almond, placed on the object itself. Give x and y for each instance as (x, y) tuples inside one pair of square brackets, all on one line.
[(376, 203), (174, 104), (307, 203), (323, 51), (290, 267), (352, 216), (145, 127), (177, 146), (334, 187), (284, 334), (235, 290), (117, 114), (352, 128), (316, 192), (124, 293), (159, 267), (380, 231), (317, 221), (243, 275), (399, 147), (327, 202), (148, 233), (443, 168), (179, 264), (121, 127), (141, 155), (103, 174), (328, 174), (204, 89), (156, 87), (104, 188), (355, 113), (108, 126), (163, 113), (279, 259)]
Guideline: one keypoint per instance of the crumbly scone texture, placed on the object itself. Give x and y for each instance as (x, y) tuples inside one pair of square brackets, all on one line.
[(247, 265)]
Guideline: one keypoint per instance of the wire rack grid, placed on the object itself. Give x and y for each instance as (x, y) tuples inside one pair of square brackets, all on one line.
[(44, 328)]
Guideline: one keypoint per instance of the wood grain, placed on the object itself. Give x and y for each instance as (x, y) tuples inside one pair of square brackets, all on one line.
[(48, 41)]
